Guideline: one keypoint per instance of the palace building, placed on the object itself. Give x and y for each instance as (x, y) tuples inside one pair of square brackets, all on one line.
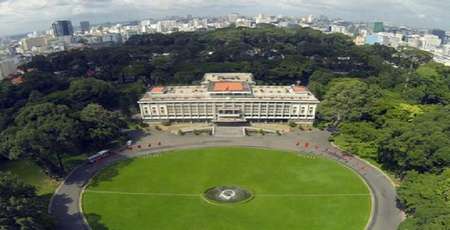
[(229, 98)]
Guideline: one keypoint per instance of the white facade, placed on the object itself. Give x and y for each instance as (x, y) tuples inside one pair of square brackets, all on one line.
[(261, 18), (430, 42), (231, 97), (338, 29), (166, 26), (243, 22), (414, 41), (391, 39), (29, 43), (7, 67)]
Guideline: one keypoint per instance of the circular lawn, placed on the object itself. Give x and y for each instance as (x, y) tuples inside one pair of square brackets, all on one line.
[(167, 191)]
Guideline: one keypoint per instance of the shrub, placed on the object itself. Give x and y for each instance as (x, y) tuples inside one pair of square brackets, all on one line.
[(305, 127), (292, 124), (166, 123), (261, 131)]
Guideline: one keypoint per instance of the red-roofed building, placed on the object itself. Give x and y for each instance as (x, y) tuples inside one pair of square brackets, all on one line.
[(299, 89), (229, 98), (17, 80), (157, 89)]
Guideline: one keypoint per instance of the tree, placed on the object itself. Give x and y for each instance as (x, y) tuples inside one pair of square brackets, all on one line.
[(129, 94), (185, 77), (347, 99), (360, 138), (426, 198), (429, 84), (45, 133), (318, 82), (422, 144), (410, 57), (20, 207), (85, 91), (100, 125), (289, 71)]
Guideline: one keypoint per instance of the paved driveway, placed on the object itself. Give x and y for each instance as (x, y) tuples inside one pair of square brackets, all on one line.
[(66, 206)]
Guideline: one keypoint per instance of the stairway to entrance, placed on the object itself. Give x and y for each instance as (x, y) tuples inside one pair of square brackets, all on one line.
[(228, 131)]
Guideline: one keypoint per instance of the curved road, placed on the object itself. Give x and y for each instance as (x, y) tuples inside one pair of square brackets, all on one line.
[(65, 205)]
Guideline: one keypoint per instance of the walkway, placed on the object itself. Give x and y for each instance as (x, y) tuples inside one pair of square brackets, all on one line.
[(228, 131), (66, 204)]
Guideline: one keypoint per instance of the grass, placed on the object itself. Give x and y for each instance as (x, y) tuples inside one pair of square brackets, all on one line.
[(30, 173), (305, 193)]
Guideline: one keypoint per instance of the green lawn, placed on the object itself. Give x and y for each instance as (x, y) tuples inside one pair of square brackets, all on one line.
[(291, 192), (30, 173)]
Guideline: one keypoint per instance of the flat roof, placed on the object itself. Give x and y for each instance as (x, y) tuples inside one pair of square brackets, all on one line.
[(247, 77), (220, 89), (223, 86)]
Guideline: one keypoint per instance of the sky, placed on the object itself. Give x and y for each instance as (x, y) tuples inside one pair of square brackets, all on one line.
[(19, 16)]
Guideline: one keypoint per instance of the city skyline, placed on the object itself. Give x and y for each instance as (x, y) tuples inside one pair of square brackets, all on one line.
[(20, 16)]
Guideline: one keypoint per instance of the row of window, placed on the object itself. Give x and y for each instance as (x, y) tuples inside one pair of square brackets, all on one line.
[(205, 110), (309, 117)]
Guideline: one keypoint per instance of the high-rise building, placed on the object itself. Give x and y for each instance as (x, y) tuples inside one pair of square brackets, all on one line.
[(337, 29), (373, 39), (7, 67), (441, 34), (430, 42), (62, 28), (378, 27), (85, 26), (261, 19), (29, 43), (243, 22)]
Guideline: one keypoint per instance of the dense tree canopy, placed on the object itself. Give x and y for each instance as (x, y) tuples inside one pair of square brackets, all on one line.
[(45, 132), (20, 207), (100, 125), (385, 104), (348, 99), (422, 145), (427, 196)]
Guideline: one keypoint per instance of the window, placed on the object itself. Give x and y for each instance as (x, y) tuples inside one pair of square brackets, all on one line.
[(294, 109), (154, 109), (303, 110), (146, 111), (162, 110)]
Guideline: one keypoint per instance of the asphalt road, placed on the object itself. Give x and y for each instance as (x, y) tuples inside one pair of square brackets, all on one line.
[(65, 205)]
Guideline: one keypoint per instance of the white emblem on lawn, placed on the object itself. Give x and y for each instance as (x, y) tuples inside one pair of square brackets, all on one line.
[(227, 194)]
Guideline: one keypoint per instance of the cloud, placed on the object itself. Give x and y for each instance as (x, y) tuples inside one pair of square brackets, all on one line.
[(27, 15)]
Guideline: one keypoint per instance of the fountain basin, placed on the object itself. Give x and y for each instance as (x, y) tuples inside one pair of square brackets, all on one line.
[(227, 195)]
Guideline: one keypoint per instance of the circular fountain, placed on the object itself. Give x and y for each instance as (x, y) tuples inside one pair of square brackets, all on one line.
[(227, 195)]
